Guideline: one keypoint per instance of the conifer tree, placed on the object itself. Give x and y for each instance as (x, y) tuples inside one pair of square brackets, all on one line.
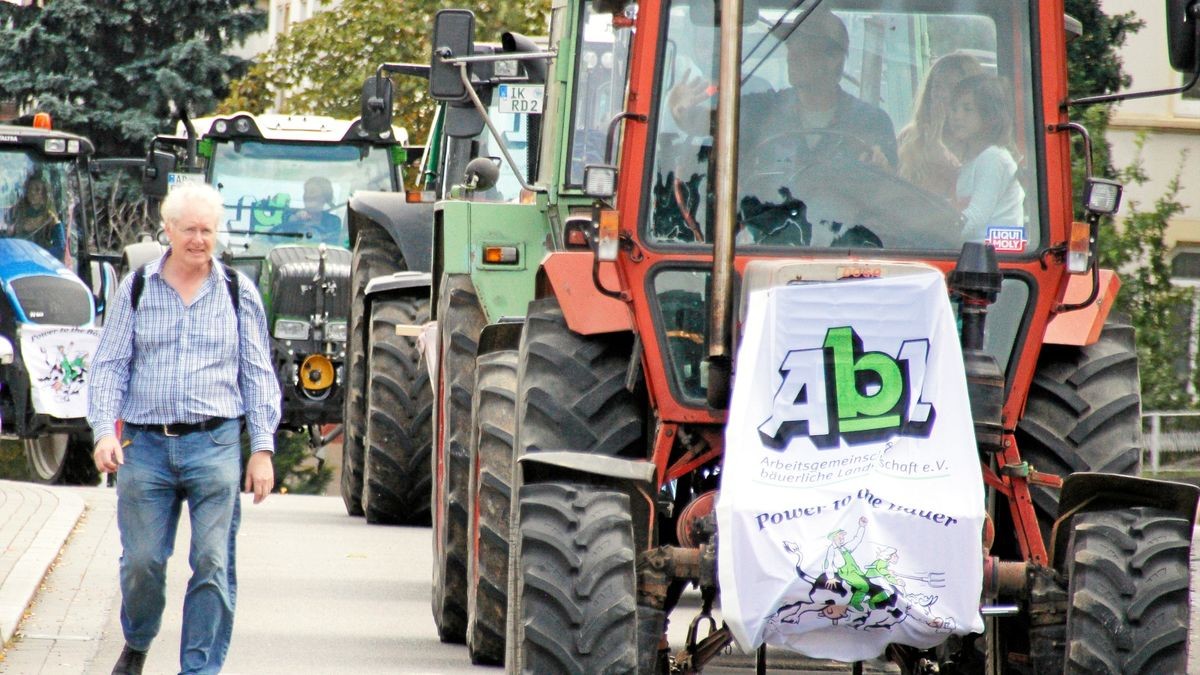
[(113, 69)]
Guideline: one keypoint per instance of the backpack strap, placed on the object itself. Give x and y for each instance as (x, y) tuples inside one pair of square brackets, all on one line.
[(139, 285), (231, 286)]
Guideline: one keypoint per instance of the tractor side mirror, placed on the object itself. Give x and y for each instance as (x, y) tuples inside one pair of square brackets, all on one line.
[(453, 37), (463, 121), (1183, 23), (159, 166), (376, 113)]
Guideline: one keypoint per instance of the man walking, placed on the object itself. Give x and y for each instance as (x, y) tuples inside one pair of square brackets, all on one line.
[(182, 358)]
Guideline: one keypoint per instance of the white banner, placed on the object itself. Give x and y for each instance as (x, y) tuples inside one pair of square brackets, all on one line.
[(852, 502), (58, 359)]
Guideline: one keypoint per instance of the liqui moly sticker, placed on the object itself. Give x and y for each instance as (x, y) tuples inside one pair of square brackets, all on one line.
[(1007, 239)]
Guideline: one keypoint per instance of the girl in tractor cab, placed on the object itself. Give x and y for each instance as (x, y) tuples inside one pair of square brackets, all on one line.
[(981, 125)]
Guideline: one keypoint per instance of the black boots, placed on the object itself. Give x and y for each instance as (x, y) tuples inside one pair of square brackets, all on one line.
[(130, 662)]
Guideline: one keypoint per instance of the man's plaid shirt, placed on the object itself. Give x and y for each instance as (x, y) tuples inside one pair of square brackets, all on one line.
[(186, 364)]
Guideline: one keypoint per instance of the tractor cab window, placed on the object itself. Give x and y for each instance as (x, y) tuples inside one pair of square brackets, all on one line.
[(37, 199), (900, 124), (284, 193), (601, 70)]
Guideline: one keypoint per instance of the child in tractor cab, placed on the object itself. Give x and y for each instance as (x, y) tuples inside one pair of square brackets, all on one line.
[(981, 124)]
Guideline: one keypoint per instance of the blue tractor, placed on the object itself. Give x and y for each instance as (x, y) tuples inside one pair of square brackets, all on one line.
[(54, 288)]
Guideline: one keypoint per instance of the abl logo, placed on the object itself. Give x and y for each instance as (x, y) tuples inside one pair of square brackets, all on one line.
[(840, 391)]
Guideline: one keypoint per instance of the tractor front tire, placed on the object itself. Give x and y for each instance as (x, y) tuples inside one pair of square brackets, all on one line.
[(1083, 413), (375, 254), (399, 409), (1128, 608), (61, 459), (489, 498), (460, 321), (576, 590), (572, 393)]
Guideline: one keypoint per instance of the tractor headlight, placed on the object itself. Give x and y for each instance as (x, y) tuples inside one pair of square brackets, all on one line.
[(288, 329), (335, 331), (1102, 197), (600, 181)]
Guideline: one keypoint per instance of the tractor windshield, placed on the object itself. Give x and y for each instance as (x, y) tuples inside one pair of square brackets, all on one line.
[(281, 193), (37, 197), (895, 124)]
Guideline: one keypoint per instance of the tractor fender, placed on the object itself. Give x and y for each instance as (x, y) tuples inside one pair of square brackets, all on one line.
[(565, 463), (410, 226), (498, 336), (568, 275), (1081, 327), (1089, 491), (136, 255), (399, 281)]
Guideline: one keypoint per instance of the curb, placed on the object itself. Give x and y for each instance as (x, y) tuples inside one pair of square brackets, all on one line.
[(41, 548)]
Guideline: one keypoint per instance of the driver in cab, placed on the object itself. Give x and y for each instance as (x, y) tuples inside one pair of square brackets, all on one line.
[(816, 57), (813, 103)]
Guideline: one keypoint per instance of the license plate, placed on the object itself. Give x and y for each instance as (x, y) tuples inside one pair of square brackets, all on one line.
[(520, 99)]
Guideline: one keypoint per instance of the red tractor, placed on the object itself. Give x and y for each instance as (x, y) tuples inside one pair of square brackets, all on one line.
[(766, 144)]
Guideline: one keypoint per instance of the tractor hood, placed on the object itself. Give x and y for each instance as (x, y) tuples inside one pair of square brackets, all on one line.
[(22, 258), (40, 288)]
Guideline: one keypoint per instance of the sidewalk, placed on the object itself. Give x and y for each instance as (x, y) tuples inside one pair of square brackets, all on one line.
[(35, 521)]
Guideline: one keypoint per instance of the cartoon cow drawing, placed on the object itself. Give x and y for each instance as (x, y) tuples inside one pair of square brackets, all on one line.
[(845, 593)]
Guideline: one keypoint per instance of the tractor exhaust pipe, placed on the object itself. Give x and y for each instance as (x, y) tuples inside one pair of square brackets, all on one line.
[(729, 85)]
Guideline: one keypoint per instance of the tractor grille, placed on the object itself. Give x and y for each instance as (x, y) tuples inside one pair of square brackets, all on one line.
[(293, 289), (53, 300)]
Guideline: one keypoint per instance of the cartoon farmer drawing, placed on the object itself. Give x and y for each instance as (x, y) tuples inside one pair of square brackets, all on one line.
[(840, 562)]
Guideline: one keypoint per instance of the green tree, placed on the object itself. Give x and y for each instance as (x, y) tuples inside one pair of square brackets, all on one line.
[(319, 66), (1138, 248), (1094, 66), (113, 69)]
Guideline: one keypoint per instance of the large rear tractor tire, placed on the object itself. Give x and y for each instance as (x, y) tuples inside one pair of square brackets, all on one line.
[(399, 409), (576, 581), (61, 459), (489, 498), (1128, 594), (460, 321), (1083, 413), (374, 254)]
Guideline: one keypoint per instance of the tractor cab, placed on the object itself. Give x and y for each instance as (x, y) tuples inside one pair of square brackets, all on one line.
[(286, 179), (285, 182)]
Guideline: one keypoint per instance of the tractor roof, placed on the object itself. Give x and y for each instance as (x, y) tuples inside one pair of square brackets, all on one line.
[(295, 128), (47, 142)]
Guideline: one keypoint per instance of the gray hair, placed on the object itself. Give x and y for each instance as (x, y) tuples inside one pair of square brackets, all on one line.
[(199, 198)]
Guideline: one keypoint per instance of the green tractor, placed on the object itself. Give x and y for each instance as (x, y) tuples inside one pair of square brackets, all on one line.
[(286, 181), (486, 265), (386, 447)]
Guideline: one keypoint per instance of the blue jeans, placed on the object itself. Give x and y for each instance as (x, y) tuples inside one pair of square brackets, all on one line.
[(159, 473)]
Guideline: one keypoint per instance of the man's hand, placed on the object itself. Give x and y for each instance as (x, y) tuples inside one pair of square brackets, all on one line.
[(876, 158), (260, 475), (686, 101), (108, 455)]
